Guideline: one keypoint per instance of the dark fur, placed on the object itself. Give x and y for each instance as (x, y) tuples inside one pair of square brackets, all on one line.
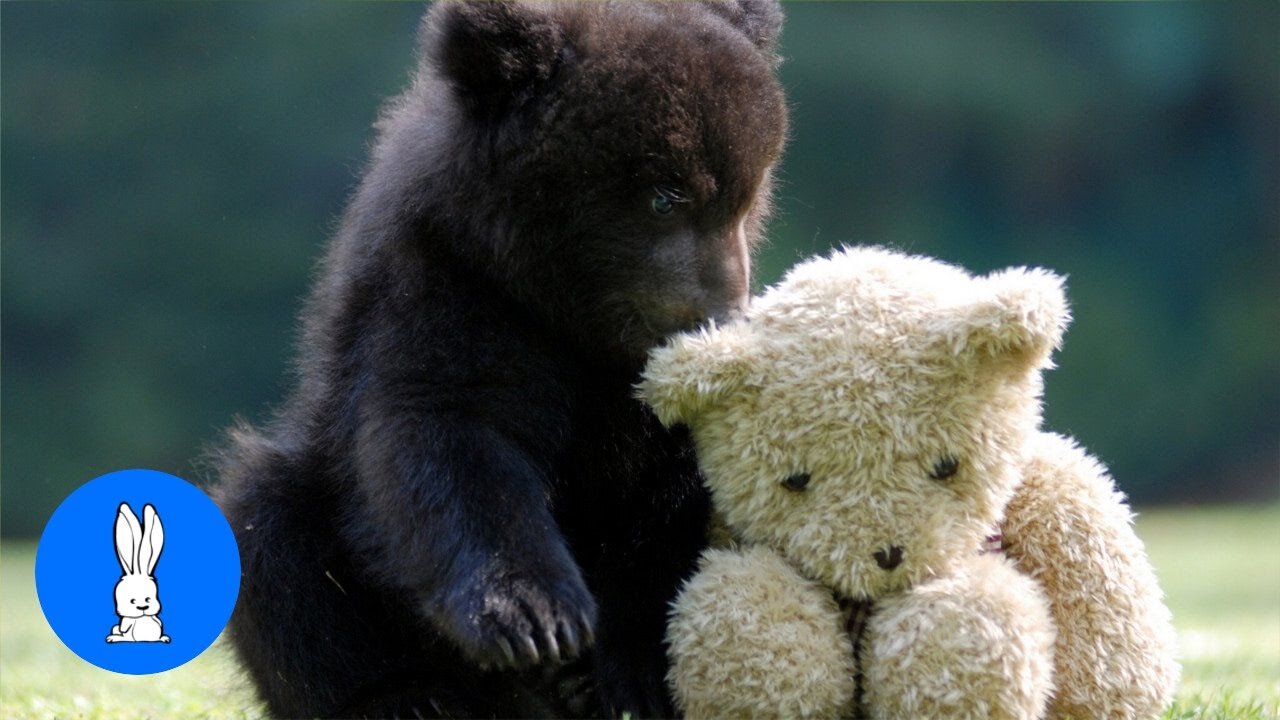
[(461, 490)]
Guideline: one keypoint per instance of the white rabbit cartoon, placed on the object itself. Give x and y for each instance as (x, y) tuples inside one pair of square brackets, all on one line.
[(137, 596)]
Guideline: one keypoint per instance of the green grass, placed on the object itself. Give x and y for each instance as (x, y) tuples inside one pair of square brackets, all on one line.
[(1220, 569), (41, 678)]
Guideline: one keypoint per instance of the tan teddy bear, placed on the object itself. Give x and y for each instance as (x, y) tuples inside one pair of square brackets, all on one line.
[(867, 434)]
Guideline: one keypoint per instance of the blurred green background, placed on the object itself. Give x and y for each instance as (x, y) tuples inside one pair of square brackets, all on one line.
[(169, 174)]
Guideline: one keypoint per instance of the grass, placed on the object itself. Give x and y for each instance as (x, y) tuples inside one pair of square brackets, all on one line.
[(1220, 570), (41, 678), (1219, 567)]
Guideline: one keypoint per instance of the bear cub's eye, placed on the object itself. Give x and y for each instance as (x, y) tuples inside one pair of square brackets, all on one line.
[(797, 482), (665, 199), (946, 466)]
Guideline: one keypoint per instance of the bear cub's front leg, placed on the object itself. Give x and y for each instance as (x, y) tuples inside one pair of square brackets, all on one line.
[(515, 614), (472, 536)]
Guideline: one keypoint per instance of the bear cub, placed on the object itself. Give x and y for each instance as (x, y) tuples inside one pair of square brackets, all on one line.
[(461, 510)]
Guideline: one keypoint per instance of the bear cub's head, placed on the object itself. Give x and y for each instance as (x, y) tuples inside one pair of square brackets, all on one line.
[(606, 163), (867, 420)]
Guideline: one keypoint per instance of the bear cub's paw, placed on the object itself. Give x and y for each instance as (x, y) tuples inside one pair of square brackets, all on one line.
[(517, 619)]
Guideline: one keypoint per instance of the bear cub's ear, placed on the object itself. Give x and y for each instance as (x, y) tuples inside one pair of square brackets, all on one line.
[(759, 20), (695, 370), (1021, 317), (491, 49)]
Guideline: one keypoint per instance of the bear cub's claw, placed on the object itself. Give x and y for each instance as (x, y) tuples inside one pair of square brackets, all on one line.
[(517, 621)]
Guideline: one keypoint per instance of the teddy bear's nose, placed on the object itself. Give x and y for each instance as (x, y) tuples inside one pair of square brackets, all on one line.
[(888, 559)]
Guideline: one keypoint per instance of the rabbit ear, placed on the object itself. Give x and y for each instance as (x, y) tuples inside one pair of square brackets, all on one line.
[(128, 535), (152, 540)]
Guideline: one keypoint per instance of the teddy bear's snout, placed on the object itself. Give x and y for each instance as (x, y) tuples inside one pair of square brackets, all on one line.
[(888, 558)]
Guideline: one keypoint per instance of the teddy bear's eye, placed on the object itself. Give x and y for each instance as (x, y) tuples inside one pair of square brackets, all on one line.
[(946, 466), (797, 482), (665, 199)]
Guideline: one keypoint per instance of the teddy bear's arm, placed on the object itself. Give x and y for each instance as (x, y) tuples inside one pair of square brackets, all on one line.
[(1070, 528), (750, 637), (976, 643)]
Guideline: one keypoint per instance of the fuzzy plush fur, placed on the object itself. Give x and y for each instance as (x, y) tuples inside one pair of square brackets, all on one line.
[(461, 495), (1069, 528), (870, 425)]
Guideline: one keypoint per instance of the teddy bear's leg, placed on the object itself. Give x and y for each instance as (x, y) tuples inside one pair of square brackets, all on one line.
[(750, 637), (1070, 529), (978, 644)]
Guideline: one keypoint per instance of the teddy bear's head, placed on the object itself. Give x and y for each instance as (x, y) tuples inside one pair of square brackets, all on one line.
[(866, 421)]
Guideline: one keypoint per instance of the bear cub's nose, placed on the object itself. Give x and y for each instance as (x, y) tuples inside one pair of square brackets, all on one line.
[(888, 559)]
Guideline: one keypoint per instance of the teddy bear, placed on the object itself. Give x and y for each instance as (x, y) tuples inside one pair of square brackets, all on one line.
[(906, 541)]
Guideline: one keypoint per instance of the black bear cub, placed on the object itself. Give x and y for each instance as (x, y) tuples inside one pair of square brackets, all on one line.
[(461, 510)]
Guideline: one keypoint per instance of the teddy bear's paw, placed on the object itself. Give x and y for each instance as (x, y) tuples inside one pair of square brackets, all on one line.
[(975, 645), (750, 637), (1071, 529)]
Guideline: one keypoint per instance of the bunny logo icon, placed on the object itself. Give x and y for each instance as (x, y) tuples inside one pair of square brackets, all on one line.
[(166, 536), (137, 595)]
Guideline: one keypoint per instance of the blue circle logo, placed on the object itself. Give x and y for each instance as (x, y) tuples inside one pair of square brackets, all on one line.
[(137, 572)]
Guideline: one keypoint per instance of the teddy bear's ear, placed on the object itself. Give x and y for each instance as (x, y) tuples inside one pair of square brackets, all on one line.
[(693, 371), (492, 50), (1020, 317)]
